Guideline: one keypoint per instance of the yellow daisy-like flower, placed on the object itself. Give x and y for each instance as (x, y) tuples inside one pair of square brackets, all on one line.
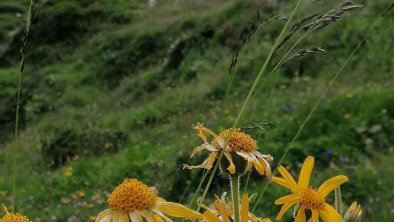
[(11, 217), (240, 143), (134, 201), (309, 199), (222, 211)]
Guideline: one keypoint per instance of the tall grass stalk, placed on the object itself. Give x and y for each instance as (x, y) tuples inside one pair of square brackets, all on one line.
[(247, 100), (18, 95), (319, 100)]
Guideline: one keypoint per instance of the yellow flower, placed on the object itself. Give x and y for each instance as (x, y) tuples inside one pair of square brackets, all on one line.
[(353, 214), (69, 172), (240, 143), (11, 217), (310, 200), (132, 201), (222, 211)]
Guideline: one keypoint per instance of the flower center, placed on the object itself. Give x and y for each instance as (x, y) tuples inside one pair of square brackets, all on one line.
[(132, 195), (14, 218), (239, 141), (312, 200)]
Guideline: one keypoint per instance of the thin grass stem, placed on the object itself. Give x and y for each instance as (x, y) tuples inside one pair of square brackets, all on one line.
[(18, 96)]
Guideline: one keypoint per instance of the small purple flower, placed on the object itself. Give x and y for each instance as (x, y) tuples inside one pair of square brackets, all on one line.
[(289, 108), (328, 152), (343, 159)]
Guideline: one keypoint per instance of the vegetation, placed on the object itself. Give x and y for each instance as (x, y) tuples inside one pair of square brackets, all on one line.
[(112, 89)]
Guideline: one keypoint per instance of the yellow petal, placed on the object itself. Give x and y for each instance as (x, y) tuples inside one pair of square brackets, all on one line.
[(135, 217), (305, 174), (103, 216), (315, 216), (301, 217), (289, 179), (329, 214), (266, 220), (207, 164), (147, 215), (287, 199), (285, 207), (120, 217), (330, 185), (223, 213), (178, 210), (230, 168), (210, 217), (244, 208), (281, 182), (158, 218), (265, 164)]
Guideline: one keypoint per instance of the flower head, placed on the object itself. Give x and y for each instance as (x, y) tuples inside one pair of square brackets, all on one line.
[(11, 217), (309, 199), (222, 211), (239, 144), (133, 200), (353, 214)]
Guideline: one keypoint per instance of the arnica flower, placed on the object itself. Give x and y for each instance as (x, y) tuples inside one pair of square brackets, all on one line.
[(240, 143), (222, 211), (353, 214), (134, 201), (310, 201), (11, 217)]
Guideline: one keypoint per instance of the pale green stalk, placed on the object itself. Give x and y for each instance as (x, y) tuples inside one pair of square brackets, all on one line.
[(234, 179), (338, 200)]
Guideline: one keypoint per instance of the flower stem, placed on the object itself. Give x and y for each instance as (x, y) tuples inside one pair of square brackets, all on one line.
[(234, 178)]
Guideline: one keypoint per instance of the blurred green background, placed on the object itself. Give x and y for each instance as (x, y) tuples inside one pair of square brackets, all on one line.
[(111, 90)]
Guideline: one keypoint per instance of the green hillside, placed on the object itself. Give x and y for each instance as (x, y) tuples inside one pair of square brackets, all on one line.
[(112, 90)]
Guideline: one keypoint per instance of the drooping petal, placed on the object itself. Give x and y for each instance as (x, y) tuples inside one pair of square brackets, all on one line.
[(287, 199), (305, 174), (177, 210), (244, 208), (330, 185), (264, 163), (159, 213), (266, 220), (285, 207), (281, 182), (135, 216), (223, 213), (230, 168), (329, 214), (315, 216), (120, 217), (158, 218), (104, 216), (204, 146), (211, 217), (289, 179), (207, 164), (300, 217), (147, 215)]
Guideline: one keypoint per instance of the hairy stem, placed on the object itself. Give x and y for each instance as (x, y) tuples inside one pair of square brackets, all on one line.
[(234, 178)]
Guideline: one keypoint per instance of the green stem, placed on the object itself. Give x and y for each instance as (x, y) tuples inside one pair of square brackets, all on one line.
[(338, 200), (235, 193), (18, 96)]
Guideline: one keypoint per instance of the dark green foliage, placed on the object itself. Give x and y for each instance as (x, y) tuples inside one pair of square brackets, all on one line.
[(68, 145)]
